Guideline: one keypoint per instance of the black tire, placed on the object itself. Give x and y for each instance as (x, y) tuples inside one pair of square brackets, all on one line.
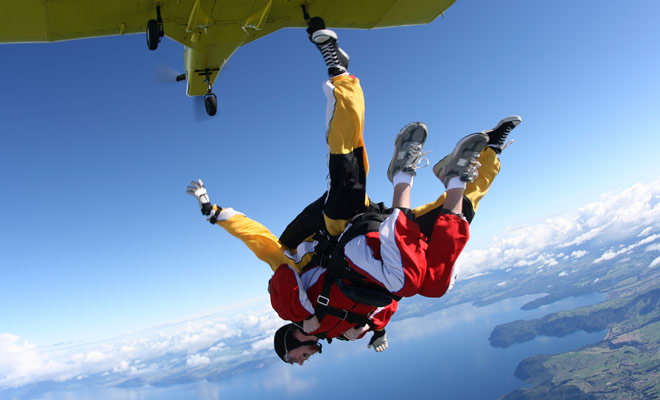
[(153, 34), (211, 104)]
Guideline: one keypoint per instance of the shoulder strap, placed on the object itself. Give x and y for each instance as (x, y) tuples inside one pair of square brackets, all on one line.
[(359, 290), (331, 257)]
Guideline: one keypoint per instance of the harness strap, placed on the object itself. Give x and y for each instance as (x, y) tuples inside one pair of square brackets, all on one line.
[(337, 268), (324, 308), (360, 225), (353, 318), (323, 299)]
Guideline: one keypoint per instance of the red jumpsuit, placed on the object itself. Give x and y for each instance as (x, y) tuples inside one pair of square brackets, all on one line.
[(398, 257)]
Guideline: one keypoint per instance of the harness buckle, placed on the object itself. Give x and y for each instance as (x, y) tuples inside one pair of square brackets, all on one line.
[(322, 300), (345, 315)]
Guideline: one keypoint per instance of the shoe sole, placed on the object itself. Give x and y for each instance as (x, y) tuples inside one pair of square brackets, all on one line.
[(508, 119), (399, 139), (461, 147), (514, 119), (325, 34)]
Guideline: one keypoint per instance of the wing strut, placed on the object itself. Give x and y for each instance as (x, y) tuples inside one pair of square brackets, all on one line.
[(305, 13)]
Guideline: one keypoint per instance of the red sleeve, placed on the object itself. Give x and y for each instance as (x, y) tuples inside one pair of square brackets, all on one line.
[(382, 316), (288, 297)]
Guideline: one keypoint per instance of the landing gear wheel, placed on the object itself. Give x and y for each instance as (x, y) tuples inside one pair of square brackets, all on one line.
[(153, 34), (211, 103), (210, 99), (155, 30)]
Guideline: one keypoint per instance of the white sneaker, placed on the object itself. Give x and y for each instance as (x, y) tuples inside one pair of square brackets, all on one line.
[(408, 154)]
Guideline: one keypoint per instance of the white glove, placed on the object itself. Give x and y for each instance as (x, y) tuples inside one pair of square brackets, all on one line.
[(354, 333), (198, 190), (378, 341)]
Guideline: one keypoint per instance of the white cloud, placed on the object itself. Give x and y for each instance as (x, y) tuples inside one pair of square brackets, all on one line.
[(632, 212), (645, 231), (196, 360), (563, 273), (263, 344), (585, 237), (579, 253), (608, 255), (20, 361), (649, 239), (654, 263), (124, 366), (653, 247)]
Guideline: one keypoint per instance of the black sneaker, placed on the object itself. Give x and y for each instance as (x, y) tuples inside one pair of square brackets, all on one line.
[(497, 136), (313, 25), (335, 58)]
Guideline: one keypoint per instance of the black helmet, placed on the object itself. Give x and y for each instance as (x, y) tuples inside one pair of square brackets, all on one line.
[(284, 341)]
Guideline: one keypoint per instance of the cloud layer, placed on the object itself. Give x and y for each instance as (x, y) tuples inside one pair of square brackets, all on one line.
[(615, 216), (221, 338), (232, 338)]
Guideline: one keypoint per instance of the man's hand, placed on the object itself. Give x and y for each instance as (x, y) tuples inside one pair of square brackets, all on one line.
[(198, 190), (354, 333), (378, 341), (311, 324)]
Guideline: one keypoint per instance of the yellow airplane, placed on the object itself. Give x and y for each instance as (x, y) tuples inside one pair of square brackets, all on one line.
[(210, 30)]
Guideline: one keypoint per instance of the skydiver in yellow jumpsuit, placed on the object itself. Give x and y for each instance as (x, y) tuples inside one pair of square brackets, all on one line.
[(349, 166)]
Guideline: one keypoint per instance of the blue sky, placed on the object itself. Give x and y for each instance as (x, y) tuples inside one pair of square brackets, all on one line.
[(98, 237)]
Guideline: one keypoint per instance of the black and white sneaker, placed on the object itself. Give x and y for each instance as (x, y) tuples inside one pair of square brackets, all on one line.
[(335, 58), (497, 136), (462, 162)]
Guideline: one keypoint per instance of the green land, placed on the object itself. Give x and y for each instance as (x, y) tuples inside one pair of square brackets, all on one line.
[(624, 365)]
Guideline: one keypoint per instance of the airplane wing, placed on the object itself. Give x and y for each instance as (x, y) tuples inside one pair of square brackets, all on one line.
[(257, 18), (210, 30)]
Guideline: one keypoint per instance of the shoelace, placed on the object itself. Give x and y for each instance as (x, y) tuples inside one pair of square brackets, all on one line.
[(509, 143), (329, 53), (416, 157), (471, 173), (502, 139)]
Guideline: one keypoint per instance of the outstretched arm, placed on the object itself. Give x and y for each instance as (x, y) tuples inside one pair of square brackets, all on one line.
[(253, 234)]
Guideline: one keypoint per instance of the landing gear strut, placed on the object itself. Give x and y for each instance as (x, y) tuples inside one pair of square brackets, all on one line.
[(155, 31), (210, 99)]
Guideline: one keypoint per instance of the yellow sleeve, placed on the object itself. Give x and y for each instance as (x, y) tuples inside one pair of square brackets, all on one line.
[(255, 236)]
